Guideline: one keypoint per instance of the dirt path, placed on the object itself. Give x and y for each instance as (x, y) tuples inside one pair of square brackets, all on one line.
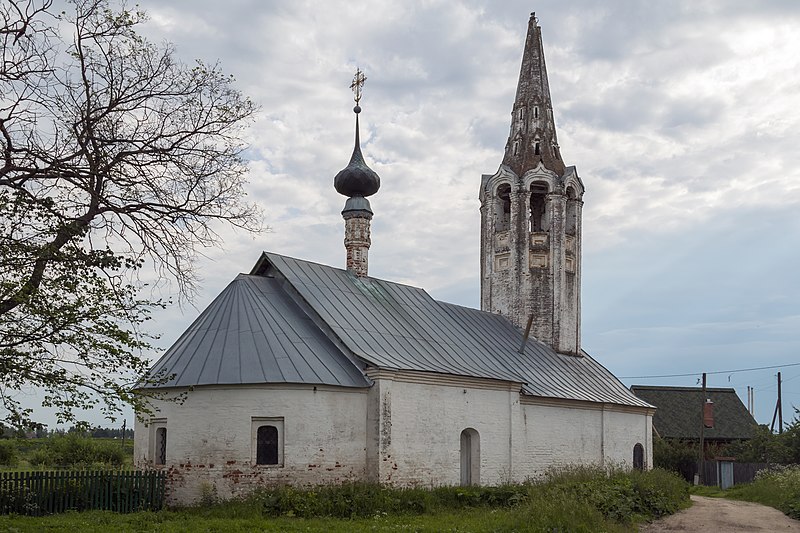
[(719, 515)]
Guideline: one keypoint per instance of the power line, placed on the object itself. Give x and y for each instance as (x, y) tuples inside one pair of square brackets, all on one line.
[(716, 372)]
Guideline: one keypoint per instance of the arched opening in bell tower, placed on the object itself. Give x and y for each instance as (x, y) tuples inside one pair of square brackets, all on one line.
[(538, 215), (503, 207)]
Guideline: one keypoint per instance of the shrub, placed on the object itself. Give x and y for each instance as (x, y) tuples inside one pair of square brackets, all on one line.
[(778, 487), (73, 450), (8, 453)]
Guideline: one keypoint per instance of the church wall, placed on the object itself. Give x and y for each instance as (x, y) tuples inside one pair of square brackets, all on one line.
[(210, 439), (426, 425), (551, 435)]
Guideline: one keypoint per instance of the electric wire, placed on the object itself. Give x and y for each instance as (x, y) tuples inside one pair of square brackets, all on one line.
[(714, 372)]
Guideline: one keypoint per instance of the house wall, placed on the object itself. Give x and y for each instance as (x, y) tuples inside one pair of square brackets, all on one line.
[(209, 441)]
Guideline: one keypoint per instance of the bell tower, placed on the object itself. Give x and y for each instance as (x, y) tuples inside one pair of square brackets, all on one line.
[(531, 218)]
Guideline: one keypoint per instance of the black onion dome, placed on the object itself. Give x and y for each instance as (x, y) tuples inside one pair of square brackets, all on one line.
[(357, 179)]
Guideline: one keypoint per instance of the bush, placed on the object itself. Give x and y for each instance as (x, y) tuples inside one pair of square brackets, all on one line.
[(8, 453), (620, 496), (778, 487), (73, 450)]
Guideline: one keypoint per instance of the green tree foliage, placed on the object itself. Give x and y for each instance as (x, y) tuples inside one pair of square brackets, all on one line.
[(113, 155)]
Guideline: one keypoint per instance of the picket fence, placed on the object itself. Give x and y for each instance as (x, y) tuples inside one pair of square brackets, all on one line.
[(39, 493)]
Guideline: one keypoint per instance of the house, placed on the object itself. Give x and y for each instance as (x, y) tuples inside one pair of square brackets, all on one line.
[(301, 373), (679, 416)]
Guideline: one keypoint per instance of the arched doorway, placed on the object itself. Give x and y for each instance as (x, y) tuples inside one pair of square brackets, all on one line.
[(638, 457), (470, 457)]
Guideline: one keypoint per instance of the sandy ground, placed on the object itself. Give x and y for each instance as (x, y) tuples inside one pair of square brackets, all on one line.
[(719, 515)]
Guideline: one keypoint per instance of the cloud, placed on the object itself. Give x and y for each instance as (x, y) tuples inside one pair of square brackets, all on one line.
[(682, 118)]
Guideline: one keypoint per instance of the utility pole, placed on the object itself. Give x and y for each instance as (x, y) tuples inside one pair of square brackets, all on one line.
[(780, 406), (700, 476)]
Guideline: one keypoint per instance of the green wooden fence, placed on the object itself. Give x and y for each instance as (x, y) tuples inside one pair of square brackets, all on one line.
[(38, 493)]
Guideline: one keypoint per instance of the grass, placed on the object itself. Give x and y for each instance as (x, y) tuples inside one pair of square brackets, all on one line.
[(575, 500), (778, 487)]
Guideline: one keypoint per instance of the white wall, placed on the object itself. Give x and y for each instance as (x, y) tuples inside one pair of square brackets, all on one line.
[(209, 438), (403, 431)]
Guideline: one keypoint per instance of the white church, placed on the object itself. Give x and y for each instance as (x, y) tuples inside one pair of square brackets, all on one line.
[(300, 373)]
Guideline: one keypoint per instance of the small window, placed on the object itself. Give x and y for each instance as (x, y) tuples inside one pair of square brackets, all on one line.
[(516, 147), (267, 441), (536, 149), (161, 446), (267, 445), (638, 457), (536, 112), (158, 441)]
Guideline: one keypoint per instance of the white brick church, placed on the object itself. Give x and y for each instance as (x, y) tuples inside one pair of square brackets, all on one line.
[(300, 373)]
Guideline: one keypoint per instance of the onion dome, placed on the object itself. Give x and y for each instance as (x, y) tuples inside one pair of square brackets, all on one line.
[(357, 179)]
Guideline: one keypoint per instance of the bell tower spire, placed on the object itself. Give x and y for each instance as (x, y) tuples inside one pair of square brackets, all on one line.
[(531, 218), (533, 131)]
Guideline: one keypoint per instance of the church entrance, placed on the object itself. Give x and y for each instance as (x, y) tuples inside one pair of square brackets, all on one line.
[(470, 457)]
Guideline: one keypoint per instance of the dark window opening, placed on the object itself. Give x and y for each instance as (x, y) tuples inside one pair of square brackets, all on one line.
[(536, 112), (538, 210), (161, 446), (503, 208), (536, 150), (516, 147), (267, 445), (638, 457)]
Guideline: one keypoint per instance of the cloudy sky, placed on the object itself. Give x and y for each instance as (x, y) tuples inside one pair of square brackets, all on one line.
[(682, 117)]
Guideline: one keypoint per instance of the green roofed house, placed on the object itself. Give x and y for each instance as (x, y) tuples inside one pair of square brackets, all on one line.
[(678, 414)]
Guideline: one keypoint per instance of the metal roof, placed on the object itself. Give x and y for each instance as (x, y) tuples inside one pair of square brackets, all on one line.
[(293, 321), (254, 332), (679, 412), (390, 325)]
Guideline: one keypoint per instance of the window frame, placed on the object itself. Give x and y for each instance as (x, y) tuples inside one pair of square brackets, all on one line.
[(255, 423), (157, 424)]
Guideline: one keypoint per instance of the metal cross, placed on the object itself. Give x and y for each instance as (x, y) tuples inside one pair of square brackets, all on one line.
[(358, 83)]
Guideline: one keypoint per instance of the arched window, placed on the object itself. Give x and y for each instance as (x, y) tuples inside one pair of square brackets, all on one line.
[(267, 445), (538, 210), (161, 446), (638, 457), (536, 149), (470, 457), (503, 208)]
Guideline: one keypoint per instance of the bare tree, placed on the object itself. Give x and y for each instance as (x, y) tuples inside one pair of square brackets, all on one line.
[(113, 154)]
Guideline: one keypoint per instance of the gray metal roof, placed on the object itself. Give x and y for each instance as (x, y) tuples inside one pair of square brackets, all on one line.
[(292, 321), (390, 325), (254, 332)]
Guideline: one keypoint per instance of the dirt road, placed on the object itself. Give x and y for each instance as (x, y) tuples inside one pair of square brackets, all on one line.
[(719, 515)]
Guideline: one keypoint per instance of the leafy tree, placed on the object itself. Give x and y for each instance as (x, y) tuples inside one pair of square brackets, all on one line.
[(113, 155)]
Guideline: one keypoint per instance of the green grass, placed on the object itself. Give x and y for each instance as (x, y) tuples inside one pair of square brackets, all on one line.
[(575, 500), (778, 488)]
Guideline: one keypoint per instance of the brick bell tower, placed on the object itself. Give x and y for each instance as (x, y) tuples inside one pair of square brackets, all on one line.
[(531, 218)]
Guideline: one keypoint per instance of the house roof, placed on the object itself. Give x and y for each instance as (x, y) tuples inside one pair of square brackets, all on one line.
[(679, 412), (320, 324)]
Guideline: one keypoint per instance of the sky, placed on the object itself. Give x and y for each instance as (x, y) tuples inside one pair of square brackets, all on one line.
[(682, 118)]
